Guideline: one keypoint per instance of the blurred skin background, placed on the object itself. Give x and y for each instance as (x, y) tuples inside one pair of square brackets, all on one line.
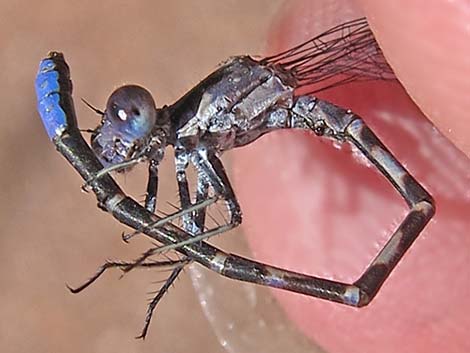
[(52, 233)]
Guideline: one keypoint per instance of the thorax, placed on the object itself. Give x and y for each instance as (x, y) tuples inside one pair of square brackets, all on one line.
[(229, 103)]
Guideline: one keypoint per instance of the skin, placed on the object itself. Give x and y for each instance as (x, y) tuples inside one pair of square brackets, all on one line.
[(446, 29), (325, 213)]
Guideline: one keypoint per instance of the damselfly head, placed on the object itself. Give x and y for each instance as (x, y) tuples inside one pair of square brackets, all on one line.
[(126, 125)]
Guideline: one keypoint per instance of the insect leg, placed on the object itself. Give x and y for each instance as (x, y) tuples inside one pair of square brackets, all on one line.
[(113, 168), (212, 168), (152, 187), (193, 215), (151, 197), (181, 164), (202, 194), (161, 292), (185, 203), (212, 173), (123, 265)]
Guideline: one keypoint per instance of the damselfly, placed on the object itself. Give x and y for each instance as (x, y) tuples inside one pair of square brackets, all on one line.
[(236, 104)]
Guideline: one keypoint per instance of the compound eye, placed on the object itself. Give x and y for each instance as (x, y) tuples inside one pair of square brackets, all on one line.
[(123, 114), (131, 111)]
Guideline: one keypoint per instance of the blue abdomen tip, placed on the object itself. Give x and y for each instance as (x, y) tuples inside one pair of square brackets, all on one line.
[(52, 81)]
